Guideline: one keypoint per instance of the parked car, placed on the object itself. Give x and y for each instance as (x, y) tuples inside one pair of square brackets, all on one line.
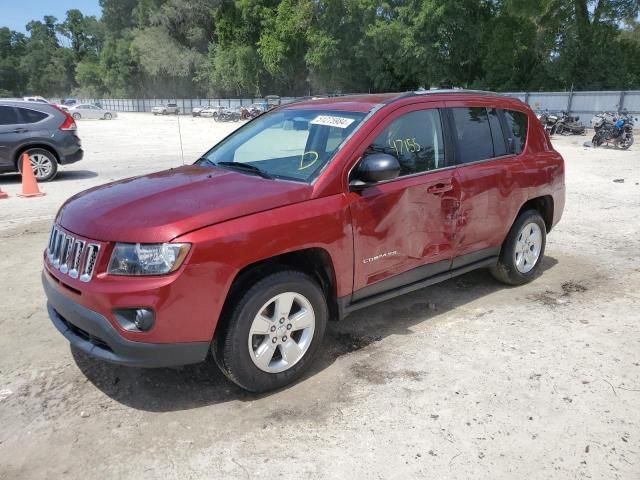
[(305, 214), (86, 110), (36, 99), (212, 111), (166, 109), (45, 132), (196, 111)]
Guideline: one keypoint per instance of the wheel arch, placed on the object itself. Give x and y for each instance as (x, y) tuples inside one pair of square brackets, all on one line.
[(544, 205), (43, 146), (315, 262)]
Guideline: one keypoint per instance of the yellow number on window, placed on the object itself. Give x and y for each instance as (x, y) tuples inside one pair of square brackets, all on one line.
[(312, 157)]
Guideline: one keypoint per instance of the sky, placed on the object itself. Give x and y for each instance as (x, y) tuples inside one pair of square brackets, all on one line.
[(15, 14)]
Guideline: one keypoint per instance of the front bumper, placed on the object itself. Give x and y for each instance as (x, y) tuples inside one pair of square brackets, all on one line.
[(93, 334)]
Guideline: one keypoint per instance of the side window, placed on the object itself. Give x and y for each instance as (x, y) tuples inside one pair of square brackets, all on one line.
[(473, 134), (31, 116), (518, 124), (415, 139), (499, 145), (8, 116)]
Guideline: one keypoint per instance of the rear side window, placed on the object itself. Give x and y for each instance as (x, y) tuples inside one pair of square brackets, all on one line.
[(415, 139), (499, 144), (31, 116), (473, 134), (8, 116), (518, 124)]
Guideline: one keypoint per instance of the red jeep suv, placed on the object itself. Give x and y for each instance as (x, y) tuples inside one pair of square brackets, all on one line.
[(307, 213)]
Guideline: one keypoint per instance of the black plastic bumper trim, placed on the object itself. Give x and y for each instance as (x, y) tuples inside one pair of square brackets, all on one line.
[(92, 333)]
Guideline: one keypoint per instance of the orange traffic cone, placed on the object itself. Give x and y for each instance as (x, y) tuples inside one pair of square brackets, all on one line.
[(29, 184), (3, 194)]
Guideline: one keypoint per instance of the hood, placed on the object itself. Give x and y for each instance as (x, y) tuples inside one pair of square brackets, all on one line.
[(161, 206)]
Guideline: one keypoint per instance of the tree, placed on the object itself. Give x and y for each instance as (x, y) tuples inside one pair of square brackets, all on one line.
[(171, 48)]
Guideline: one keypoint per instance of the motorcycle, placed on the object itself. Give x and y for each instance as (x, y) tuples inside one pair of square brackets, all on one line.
[(569, 125), (562, 124), (616, 129), (548, 121), (227, 116)]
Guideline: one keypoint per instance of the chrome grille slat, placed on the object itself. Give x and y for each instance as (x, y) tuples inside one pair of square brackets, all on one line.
[(89, 265), (72, 256), (52, 237), (57, 248), (78, 249), (64, 253)]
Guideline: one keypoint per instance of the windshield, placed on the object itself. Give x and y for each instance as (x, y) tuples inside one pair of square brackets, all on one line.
[(287, 144)]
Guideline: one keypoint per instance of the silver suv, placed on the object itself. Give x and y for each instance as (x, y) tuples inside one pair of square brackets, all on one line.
[(166, 109), (44, 131)]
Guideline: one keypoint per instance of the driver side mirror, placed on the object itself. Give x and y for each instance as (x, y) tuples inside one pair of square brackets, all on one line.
[(374, 168)]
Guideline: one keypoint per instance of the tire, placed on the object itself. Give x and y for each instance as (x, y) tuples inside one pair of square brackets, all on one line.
[(624, 145), (596, 141), (108, 116), (44, 163), (236, 347), (528, 234), (76, 116)]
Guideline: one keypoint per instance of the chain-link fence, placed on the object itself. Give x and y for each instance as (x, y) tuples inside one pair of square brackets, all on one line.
[(580, 103)]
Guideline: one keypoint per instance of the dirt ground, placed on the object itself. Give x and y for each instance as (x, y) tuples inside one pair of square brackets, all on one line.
[(466, 379)]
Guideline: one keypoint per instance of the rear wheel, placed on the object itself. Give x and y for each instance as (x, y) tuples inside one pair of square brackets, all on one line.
[(626, 141), (522, 251), (43, 163), (273, 332)]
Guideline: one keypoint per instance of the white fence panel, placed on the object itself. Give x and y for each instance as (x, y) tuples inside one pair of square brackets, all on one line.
[(583, 103)]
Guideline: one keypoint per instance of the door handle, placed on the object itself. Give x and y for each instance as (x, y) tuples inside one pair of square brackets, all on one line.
[(19, 130), (440, 188)]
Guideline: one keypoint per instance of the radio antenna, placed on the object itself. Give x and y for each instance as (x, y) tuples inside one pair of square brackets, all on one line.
[(180, 136)]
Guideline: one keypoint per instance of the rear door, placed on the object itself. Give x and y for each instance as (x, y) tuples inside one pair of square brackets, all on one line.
[(487, 159), (403, 229)]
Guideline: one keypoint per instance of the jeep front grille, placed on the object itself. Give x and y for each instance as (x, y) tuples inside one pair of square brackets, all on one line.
[(71, 255)]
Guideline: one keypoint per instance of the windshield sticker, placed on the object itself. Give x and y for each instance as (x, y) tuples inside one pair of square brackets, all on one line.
[(331, 121)]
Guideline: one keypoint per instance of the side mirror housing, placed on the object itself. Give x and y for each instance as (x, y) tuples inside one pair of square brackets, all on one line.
[(374, 168)]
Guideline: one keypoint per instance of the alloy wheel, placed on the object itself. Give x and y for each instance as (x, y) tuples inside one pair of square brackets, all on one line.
[(528, 247), (41, 164), (281, 332)]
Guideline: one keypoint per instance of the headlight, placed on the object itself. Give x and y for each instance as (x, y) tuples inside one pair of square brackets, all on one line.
[(147, 258)]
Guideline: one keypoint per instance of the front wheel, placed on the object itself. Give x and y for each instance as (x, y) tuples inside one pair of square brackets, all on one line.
[(522, 251), (76, 116), (108, 116), (273, 332), (596, 141)]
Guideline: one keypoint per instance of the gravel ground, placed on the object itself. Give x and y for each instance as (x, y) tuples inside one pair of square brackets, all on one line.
[(466, 379)]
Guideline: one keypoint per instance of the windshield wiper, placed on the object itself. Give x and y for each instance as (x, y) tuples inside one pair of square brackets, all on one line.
[(202, 160), (246, 167)]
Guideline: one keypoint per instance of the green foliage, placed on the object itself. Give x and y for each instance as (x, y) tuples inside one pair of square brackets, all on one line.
[(183, 48)]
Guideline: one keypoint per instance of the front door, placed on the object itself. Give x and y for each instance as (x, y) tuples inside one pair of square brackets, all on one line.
[(12, 132), (404, 228)]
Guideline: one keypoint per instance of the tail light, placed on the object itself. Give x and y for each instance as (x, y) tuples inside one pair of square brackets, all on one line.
[(69, 123)]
